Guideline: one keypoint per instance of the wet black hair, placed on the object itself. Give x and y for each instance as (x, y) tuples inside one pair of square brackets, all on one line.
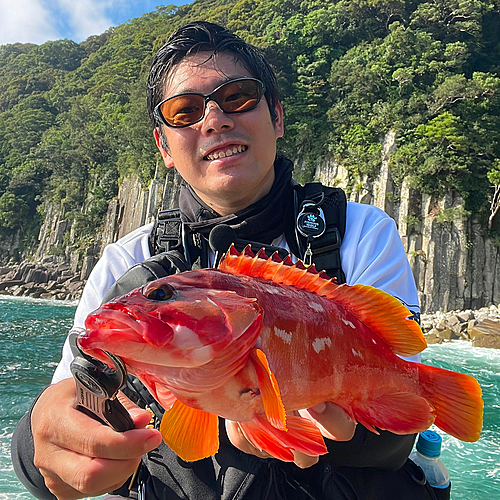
[(202, 36)]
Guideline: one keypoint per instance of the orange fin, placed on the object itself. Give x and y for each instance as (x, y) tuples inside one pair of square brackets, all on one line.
[(400, 413), (192, 434), (273, 268), (457, 400), (302, 436), (271, 398), (381, 312)]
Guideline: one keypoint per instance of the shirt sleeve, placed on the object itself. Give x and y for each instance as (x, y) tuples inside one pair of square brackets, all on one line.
[(372, 253), (116, 259)]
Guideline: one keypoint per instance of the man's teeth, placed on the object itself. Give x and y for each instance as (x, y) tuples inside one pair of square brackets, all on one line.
[(228, 152)]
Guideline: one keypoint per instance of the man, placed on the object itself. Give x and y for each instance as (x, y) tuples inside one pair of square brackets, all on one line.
[(216, 116)]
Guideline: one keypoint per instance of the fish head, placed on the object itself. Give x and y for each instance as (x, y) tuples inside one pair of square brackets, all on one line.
[(184, 320)]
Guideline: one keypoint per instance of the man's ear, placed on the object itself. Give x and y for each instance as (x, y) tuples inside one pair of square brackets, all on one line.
[(162, 147), (278, 122)]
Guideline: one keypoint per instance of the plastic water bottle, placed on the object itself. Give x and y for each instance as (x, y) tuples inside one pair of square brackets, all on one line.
[(426, 457)]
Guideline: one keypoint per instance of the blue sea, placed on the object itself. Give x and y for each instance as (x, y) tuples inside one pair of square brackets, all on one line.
[(33, 331)]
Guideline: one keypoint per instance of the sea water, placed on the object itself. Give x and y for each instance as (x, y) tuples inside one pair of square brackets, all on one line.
[(32, 333)]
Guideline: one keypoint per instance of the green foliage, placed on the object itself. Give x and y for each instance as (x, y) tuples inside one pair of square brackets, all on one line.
[(73, 118)]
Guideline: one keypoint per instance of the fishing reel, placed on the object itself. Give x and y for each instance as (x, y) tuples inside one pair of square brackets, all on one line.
[(97, 386)]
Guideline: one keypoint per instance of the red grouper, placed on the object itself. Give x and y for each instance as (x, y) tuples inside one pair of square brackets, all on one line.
[(258, 338)]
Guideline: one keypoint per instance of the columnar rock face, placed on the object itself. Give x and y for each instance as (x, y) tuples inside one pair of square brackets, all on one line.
[(454, 262)]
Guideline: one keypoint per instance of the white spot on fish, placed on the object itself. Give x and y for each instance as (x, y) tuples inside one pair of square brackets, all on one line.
[(283, 334), (320, 344), (374, 341), (356, 353), (212, 302), (348, 323), (316, 307)]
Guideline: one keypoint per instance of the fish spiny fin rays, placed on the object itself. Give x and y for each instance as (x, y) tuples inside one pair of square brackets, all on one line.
[(302, 436), (274, 269), (400, 413), (268, 386), (383, 314), (192, 434)]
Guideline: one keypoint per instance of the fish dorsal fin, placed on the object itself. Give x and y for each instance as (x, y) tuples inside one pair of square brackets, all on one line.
[(381, 312), (192, 434), (384, 315), (274, 269)]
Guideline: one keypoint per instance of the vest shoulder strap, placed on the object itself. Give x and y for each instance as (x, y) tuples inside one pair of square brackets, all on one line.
[(166, 234), (329, 205)]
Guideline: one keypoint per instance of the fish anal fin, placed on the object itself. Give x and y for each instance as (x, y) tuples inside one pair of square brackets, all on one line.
[(302, 436), (190, 433), (399, 413), (268, 386), (383, 314)]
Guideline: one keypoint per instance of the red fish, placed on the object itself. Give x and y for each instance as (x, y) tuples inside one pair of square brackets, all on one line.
[(258, 338)]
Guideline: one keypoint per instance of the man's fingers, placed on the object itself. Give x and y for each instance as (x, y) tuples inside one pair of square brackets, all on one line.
[(85, 476), (304, 461), (56, 421), (140, 416), (333, 422)]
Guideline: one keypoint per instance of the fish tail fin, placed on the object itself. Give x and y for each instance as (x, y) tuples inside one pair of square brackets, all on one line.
[(302, 436), (456, 398)]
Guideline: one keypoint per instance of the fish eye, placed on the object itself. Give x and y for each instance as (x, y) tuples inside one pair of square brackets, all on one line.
[(161, 293)]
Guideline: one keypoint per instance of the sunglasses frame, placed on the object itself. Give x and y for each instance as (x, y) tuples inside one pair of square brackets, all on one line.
[(209, 97)]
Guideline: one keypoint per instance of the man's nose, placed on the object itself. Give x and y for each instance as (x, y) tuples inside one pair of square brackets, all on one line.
[(215, 119)]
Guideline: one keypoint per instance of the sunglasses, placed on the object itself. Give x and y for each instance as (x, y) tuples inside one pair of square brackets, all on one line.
[(235, 96)]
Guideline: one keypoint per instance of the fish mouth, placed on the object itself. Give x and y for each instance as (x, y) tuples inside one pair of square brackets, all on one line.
[(141, 337)]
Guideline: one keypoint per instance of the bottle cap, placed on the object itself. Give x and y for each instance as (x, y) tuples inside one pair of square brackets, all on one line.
[(429, 444)]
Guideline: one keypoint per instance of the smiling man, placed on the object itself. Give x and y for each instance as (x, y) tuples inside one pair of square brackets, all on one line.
[(216, 117)]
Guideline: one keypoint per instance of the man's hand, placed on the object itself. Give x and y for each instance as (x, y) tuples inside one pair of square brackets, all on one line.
[(78, 456), (331, 420)]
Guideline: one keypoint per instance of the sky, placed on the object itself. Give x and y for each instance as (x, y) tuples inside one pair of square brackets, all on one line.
[(37, 21)]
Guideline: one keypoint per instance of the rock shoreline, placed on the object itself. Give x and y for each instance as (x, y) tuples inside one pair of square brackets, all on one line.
[(481, 326), (56, 281), (44, 281)]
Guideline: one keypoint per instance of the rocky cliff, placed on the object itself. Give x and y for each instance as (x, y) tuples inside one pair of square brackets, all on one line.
[(453, 260)]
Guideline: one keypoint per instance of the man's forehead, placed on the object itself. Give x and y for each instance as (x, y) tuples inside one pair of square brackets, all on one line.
[(203, 72)]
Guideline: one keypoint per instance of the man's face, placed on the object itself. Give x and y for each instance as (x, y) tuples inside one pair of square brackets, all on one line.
[(226, 182)]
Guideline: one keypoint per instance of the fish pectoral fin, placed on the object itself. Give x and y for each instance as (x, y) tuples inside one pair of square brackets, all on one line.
[(302, 436), (268, 386), (400, 413), (192, 434)]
